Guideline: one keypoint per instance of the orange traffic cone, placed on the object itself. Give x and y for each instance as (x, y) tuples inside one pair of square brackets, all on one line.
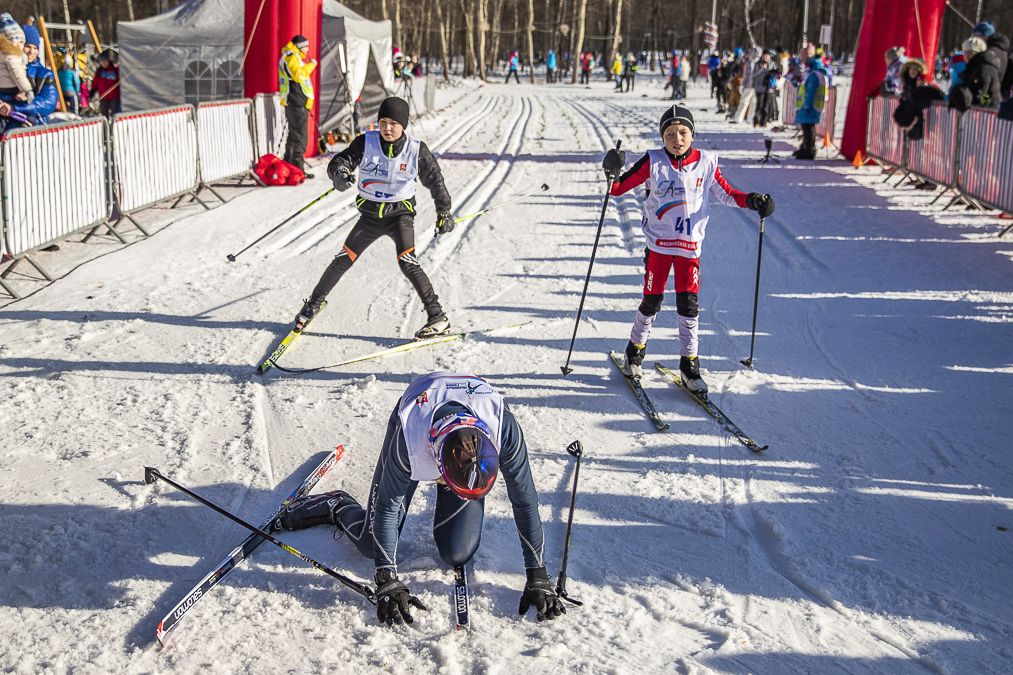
[(859, 161), (826, 140)]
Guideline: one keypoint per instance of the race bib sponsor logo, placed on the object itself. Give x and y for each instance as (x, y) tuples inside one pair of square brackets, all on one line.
[(422, 398), (679, 243)]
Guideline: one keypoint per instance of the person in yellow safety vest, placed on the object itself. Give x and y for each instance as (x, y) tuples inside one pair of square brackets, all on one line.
[(296, 89), (617, 71)]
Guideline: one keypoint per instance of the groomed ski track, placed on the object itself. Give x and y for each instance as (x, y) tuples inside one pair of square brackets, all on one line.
[(865, 540)]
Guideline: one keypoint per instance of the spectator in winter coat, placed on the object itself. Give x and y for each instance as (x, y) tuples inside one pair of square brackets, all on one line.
[(586, 61), (550, 67), (980, 81), (912, 74), (713, 63), (894, 60), (809, 102), (13, 71), (765, 77), (748, 92), (70, 83), (106, 83), (43, 84), (617, 71), (514, 62)]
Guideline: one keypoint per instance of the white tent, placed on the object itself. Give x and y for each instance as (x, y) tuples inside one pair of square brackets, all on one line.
[(194, 52)]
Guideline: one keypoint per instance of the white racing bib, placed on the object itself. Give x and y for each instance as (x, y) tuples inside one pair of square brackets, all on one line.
[(677, 208), (425, 396), (388, 179)]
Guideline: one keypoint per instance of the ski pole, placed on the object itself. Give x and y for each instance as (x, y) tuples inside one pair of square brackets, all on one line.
[(577, 450), (545, 186), (601, 221), (748, 363), (151, 475), (232, 257)]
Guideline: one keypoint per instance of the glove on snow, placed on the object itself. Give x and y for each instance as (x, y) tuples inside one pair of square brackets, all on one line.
[(762, 204), (445, 223), (613, 163), (393, 600), (538, 592), (342, 180)]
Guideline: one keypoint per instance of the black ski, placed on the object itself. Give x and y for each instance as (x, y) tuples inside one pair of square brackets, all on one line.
[(272, 360), (641, 395), (715, 412), (461, 600), (243, 551)]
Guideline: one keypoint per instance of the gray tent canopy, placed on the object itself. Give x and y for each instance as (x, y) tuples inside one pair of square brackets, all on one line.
[(194, 53)]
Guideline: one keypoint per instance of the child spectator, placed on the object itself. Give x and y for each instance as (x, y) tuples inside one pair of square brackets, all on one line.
[(70, 83), (13, 66), (106, 83)]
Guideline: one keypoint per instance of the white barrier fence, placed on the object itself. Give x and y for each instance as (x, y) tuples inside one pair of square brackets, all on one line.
[(155, 156), (224, 139), (271, 128), (827, 122), (55, 184), (970, 153)]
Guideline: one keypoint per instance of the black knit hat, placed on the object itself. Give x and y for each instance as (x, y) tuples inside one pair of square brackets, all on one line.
[(394, 108), (677, 114), (300, 42)]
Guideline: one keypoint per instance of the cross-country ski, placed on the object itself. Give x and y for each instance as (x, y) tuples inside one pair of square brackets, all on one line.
[(554, 277)]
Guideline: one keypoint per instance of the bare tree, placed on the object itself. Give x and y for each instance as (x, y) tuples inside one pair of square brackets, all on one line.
[(578, 44), (497, 14), (746, 6), (482, 20), (469, 38), (615, 35), (443, 41), (531, 46)]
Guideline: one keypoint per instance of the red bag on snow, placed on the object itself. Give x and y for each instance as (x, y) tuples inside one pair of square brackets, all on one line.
[(295, 174), (275, 171), (277, 174)]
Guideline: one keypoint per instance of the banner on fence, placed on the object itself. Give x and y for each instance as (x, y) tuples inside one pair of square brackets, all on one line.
[(55, 183), (225, 139), (155, 155)]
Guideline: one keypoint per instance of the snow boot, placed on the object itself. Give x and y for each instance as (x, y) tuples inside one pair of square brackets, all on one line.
[(437, 325), (634, 360), (309, 310), (312, 510), (689, 366)]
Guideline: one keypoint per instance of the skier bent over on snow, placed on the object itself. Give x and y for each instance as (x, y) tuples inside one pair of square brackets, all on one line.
[(391, 164), (454, 429), (676, 210)]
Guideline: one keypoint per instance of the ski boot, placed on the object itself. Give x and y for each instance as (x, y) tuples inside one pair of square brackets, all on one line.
[(634, 360), (689, 366), (438, 324), (311, 510), (309, 310)]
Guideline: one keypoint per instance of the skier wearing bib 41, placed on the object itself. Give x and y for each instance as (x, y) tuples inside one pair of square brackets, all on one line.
[(391, 164), (677, 179)]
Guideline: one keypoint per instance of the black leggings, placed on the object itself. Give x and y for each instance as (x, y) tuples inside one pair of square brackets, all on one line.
[(457, 523), (399, 228)]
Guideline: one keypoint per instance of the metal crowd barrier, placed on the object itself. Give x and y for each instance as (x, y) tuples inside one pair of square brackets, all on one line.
[(829, 119), (934, 157), (986, 159), (225, 139), (271, 126), (884, 139), (55, 184), (155, 158)]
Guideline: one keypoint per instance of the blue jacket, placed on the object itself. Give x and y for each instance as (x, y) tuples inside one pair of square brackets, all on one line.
[(514, 61), (44, 84), (808, 114), (70, 81), (552, 60)]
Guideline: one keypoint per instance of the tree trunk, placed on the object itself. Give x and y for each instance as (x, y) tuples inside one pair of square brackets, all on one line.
[(531, 45), (383, 7), (578, 44), (746, 6), (615, 34), (497, 14), (469, 38), (397, 25), (443, 41), (482, 7)]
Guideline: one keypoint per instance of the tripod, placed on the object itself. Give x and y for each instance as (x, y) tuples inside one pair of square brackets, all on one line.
[(405, 90)]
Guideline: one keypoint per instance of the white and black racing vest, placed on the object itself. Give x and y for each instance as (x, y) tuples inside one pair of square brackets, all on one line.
[(425, 396), (388, 179), (678, 206)]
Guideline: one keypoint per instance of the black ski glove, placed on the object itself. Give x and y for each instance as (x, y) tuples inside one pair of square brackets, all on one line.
[(342, 179), (613, 163), (393, 600), (762, 204), (445, 223), (538, 592)]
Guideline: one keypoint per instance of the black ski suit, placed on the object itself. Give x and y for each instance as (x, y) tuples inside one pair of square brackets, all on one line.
[(387, 219)]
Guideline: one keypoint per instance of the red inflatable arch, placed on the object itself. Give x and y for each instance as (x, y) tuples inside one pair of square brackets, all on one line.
[(913, 24)]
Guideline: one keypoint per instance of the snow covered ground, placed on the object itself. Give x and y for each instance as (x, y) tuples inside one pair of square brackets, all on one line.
[(872, 537)]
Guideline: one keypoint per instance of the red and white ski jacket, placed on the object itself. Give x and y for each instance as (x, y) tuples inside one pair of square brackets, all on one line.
[(676, 207)]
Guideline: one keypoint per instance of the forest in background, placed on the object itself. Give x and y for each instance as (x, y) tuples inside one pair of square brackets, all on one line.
[(479, 30)]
